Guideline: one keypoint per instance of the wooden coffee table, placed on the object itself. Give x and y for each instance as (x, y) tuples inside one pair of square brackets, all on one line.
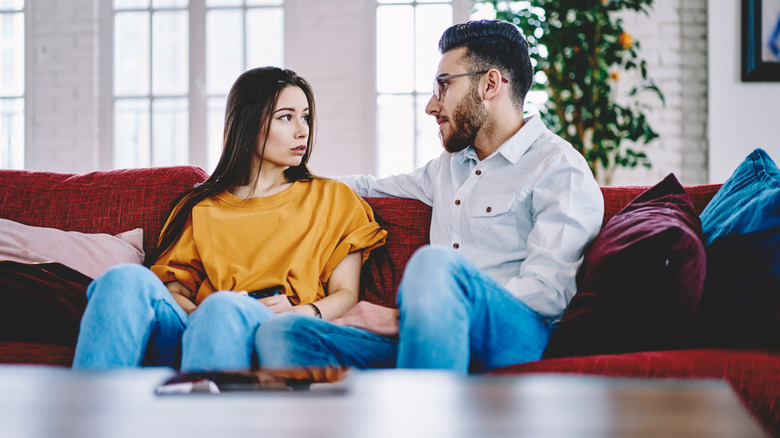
[(54, 402)]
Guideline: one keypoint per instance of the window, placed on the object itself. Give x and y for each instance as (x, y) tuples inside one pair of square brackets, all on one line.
[(174, 63), (12, 84), (407, 37), (237, 39)]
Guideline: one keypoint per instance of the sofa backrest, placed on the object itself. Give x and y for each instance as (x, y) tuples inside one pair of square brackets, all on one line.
[(120, 200), (617, 197), (408, 223), (99, 202)]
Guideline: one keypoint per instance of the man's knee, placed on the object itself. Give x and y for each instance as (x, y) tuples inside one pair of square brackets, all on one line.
[(427, 277), (432, 257)]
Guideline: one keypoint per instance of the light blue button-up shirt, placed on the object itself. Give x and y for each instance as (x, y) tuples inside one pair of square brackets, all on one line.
[(523, 215)]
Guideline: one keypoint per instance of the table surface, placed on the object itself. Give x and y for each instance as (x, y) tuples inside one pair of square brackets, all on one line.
[(39, 401)]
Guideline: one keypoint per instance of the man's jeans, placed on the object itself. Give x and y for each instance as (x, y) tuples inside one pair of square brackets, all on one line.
[(131, 319), (453, 316)]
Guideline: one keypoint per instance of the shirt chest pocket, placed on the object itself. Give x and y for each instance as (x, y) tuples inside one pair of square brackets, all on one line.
[(493, 222), (492, 206)]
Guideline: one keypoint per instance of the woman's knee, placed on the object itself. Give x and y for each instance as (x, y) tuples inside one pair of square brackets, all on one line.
[(123, 282), (221, 303)]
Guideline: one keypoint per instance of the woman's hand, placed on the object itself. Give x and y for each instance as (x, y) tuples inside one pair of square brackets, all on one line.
[(277, 303), (183, 296)]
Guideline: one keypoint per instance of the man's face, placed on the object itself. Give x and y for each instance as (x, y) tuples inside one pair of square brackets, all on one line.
[(459, 111)]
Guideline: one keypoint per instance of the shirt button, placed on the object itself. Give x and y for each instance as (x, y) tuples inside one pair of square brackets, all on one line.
[(479, 172), (455, 245), (457, 202), (488, 209)]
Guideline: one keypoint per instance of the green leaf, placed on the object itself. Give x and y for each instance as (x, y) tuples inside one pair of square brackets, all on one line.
[(581, 40)]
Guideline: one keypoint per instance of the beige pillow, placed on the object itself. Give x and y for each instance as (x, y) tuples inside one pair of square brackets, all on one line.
[(90, 254)]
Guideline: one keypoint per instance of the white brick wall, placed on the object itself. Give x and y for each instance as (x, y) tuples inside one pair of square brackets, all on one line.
[(330, 43), (63, 86), (332, 47), (674, 42)]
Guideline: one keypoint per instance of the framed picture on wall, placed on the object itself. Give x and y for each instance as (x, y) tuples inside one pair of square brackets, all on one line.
[(760, 40)]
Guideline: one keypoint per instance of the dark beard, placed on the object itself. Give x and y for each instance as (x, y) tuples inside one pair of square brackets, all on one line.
[(467, 119)]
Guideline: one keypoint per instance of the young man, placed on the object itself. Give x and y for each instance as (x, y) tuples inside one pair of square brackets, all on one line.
[(514, 206)]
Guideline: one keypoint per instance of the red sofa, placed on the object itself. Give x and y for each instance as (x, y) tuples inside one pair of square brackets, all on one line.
[(117, 201)]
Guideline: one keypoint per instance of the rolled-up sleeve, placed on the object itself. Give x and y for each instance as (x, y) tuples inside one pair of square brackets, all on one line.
[(182, 262), (415, 185)]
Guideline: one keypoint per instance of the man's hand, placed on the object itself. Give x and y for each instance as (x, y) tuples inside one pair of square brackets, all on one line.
[(371, 317), (277, 303)]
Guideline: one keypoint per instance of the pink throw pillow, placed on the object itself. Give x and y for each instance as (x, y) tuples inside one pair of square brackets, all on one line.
[(90, 254)]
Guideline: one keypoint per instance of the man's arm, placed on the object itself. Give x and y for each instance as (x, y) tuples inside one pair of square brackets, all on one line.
[(415, 185), (373, 318)]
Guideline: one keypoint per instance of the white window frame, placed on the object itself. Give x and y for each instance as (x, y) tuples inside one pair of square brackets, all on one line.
[(27, 16), (461, 11), (197, 96)]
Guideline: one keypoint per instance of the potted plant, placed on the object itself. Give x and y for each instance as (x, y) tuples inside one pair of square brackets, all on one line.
[(582, 52)]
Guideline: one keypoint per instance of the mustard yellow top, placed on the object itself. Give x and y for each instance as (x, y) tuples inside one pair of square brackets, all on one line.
[(293, 239)]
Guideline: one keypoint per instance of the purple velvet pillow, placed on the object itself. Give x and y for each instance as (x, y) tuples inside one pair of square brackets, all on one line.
[(42, 302), (641, 280)]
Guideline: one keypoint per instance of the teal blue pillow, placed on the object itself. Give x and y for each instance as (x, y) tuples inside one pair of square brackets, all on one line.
[(748, 202), (740, 303)]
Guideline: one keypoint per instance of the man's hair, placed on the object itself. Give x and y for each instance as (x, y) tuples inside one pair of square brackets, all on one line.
[(493, 44)]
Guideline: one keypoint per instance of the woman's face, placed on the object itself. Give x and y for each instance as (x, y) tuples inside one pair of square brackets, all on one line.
[(288, 133)]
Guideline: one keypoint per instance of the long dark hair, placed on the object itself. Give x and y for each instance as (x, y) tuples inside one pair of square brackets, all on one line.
[(250, 107)]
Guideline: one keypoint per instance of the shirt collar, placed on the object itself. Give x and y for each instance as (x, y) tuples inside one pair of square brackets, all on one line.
[(516, 146)]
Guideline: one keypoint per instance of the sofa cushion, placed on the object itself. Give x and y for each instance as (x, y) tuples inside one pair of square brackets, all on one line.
[(108, 202), (37, 353), (748, 202), (640, 281), (90, 254), (741, 297), (41, 302)]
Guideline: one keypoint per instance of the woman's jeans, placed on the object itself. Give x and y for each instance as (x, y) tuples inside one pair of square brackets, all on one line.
[(131, 320), (453, 316)]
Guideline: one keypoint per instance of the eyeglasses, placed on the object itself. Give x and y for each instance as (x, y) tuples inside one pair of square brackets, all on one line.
[(438, 85)]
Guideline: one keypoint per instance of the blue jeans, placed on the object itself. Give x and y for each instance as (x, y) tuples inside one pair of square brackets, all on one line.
[(453, 317), (131, 320)]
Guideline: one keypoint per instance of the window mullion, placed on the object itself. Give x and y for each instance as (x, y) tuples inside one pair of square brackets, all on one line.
[(245, 52), (196, 95), (415, 145), (29, 68), (150, 95)]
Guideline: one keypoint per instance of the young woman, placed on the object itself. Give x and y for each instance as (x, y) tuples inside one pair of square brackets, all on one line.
[(261, 236)]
